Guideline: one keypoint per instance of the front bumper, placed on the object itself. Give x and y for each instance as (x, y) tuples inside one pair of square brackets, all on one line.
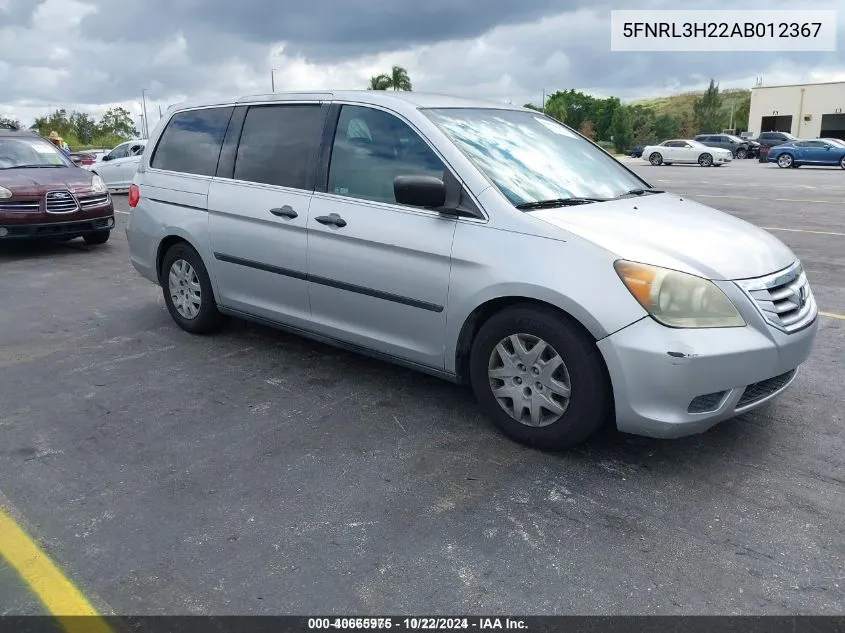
[(670, 383), (721, 160), (53, 230)]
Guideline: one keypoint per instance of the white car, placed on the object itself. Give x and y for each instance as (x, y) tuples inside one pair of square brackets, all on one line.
[(117, 168), (684, 151)]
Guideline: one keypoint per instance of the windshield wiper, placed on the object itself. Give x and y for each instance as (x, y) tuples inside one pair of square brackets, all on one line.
[(32, 166), (558, 202), (641, 191)]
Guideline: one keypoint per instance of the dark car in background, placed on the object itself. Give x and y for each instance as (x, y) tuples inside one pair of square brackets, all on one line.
[(43, 195), (768, 140), (740, 148), (637, 151), (818, 152)]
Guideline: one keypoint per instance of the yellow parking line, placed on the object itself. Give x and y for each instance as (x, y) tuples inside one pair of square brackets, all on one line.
[(58, 594), (833, 315)]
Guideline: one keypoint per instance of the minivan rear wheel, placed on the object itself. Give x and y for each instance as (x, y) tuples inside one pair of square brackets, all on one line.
[(187, 291), (539, 378)]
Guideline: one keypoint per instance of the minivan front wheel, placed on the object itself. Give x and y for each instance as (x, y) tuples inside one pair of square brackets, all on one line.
[(187, 290), (539, 377)]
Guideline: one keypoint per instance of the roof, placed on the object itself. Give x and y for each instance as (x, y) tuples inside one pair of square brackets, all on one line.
[(819, 83), (394, 99)]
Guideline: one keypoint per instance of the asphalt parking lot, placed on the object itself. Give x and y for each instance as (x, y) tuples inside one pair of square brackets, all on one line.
[(254, 472)]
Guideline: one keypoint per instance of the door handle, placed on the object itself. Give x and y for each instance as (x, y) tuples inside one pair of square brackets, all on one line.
[(332, 218), (285, 212)]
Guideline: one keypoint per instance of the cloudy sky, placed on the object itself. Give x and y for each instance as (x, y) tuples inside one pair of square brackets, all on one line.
[(92, 54)]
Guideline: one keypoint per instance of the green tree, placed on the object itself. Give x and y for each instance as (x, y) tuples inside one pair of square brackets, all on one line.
[(687, 125), (9, 122), (709, 116), (57, 121), (604, 111), (399, 79), (666, 127), (117, 122), (623, 133), (741, 113), (379, 82), (83, 126)]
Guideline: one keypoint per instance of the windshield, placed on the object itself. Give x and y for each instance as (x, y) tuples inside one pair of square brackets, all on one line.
[(696, 144), (735, 139), (530, 157), (30, 152)]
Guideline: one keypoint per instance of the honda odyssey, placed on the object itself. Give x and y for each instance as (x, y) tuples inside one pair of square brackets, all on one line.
[(484, 243)]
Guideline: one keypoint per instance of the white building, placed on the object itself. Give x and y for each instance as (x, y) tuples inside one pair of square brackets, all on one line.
[(803, 110)]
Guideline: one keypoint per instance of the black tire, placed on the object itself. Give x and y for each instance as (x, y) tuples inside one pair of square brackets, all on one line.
[(208, 319), (667, 164), (655, 158), (705, 160), (842, 162), (785, 161), (590, 403), (741, 154), (97, 237)]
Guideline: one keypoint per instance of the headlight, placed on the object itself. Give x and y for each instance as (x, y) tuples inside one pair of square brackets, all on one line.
[(98, 184), (677, 299), (5, 193)]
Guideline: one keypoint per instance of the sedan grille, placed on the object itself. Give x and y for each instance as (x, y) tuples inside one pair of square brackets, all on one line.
[(784, 299), (764, 389), (61, 202), (28, 206)]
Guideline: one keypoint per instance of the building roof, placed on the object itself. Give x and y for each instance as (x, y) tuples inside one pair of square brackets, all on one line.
[(820, 83)]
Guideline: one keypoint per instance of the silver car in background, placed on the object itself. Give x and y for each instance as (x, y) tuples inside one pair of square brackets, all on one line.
[(483, 243)]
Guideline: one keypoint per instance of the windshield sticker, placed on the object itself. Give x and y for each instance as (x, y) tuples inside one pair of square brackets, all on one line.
[(42, 148)]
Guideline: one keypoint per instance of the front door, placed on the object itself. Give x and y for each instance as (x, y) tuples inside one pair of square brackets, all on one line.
[(110, 168), (258, 219), (379, 271)]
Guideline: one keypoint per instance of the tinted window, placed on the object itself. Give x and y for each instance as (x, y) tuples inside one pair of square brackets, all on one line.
[(371, 148), (278, 145), (192, 140)]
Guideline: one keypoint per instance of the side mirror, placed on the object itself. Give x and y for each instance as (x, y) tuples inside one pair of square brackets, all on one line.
[(420, 191), (105, 157)]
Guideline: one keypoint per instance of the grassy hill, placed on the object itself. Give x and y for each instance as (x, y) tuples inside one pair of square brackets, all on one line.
[(678, 105)]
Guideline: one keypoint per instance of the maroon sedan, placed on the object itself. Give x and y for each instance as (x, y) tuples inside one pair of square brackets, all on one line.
[(43, 195)]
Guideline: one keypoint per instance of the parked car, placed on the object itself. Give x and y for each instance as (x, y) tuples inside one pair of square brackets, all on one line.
[(117, 167), (483, 243), (637, 151), (685, 151), (817, 152), (43, 195), (768, 140), (739, 148)]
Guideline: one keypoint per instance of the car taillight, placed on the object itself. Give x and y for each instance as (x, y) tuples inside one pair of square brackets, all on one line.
[(134, 195)]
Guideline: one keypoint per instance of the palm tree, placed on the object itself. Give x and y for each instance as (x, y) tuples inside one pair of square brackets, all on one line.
[(379, 82), (399, 79)]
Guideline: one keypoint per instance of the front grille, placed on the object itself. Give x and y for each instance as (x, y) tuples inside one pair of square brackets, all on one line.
[(24, 206), (763, 389), (97, 200), (784, 299), (61, 202), (707, 402)]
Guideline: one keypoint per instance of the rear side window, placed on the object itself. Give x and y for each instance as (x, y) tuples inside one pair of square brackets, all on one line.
[(279, 144), (192, 140)]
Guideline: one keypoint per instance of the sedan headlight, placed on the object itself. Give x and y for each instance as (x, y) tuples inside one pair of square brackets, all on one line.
[(98, 184), (5, 193), (678, 299)]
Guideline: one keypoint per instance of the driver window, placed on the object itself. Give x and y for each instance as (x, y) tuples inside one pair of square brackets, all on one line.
[(121, 151), (371, 148)]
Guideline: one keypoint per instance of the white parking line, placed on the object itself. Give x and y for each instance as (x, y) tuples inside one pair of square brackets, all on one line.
[(772, 228), (121, 212)]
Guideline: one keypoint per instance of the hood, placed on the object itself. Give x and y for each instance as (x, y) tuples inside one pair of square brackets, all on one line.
[(37, 179), (670, 231)]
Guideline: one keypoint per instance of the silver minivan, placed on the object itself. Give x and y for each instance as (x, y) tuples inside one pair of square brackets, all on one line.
[(483, 243)]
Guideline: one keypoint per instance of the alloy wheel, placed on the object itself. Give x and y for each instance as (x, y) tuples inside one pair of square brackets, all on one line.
[(185, 290)]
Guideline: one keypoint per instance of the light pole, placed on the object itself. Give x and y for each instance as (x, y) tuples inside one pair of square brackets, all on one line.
[(273, 79), (146, 124)]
